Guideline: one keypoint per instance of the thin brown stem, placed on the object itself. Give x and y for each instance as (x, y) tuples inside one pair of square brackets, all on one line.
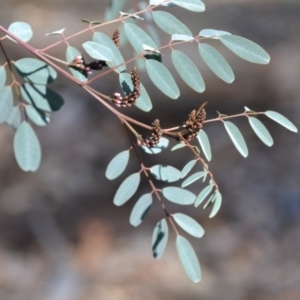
[(244, 114), (153, 187)]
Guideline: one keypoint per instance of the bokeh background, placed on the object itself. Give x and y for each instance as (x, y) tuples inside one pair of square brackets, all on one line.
[(61, 238)]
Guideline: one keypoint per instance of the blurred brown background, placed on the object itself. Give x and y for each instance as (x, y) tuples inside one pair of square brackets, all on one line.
[(61, 238)]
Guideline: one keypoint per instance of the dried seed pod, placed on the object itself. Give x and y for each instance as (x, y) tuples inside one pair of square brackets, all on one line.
[(79, 64), (130, 98), (194, 123), (116, 37), (155, 137)]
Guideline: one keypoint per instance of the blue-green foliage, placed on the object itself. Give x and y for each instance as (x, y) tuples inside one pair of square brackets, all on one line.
[(32, 102)]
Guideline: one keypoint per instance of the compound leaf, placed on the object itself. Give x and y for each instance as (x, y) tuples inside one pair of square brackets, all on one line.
[(188, 71), (193, 5), (117, 165), (188, 258), (71, 53), (140, 210), (160, 238), (261, 131), (178, 195), (169, 23), (138, 37), (282, 120), (204, 143), (21, 30), (162, 78), (189, 225), (187, 168), (97, 51), (216, 62), (14, 117), (117, 59), (2, 77), (35, 70), (165, 173), (217, 204), (6, 102), (37, 116), (193, 178), (203, 194), (246, 49), (127, 189), (27, 148), (236, 137)]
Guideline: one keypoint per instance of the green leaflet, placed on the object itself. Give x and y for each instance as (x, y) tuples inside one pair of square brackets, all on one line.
[(282, 120), (193, 178), (188, 258), (41, 97), (204, 143), (181, 37), (178, 146), (236, 137), (97, 51), (143, 102), (127, 189), (217, 204), (71, 53), (193, 5), (165, 173), (203, 194), (14, 118), (117, 59), (160, 239), (35, 70), (162, 78), (21, 30), (2, 77), (27, 148), (187, 168), (246, 49), (169, 23), (212, 33), (189, 225), (6, 102), (37, 116), (178, 195), (140, 210), (261, 131), (117, 165), (210, 200), (188, 71), (216, 62), (137, 37)]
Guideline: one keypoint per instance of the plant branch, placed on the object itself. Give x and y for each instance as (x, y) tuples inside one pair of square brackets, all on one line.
[(153, 187)]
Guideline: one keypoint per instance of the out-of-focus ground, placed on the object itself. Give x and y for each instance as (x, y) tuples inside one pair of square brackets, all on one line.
[(61, 238)]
